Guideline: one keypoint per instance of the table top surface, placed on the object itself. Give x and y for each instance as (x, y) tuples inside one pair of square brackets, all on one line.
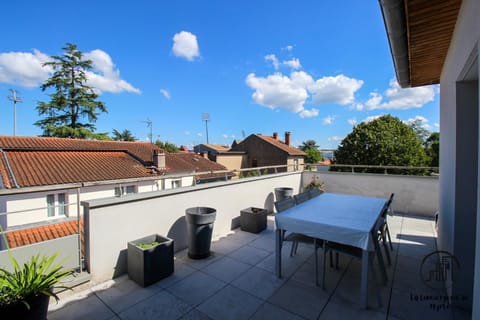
[(346, 219)]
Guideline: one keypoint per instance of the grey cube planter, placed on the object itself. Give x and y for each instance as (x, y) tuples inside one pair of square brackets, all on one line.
[(253, 219), (147, 266)]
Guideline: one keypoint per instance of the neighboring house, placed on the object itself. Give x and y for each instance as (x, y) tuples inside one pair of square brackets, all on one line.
[(212, 150), (222, 154), (43, 179), (204, 168), (261, 151), (438, 42)]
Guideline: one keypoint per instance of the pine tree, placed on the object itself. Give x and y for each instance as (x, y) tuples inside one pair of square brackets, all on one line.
[(72, 101)]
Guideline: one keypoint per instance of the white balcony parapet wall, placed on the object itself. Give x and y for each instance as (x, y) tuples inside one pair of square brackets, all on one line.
[(111, 222), (416, 195)]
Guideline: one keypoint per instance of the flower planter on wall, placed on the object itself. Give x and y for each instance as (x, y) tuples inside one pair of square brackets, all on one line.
[(149, 265), (253, 219)]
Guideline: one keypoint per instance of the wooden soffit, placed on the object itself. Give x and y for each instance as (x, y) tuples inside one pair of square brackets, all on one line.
[(430, 25)]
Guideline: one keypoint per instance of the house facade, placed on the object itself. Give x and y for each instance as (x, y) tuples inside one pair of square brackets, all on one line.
[(438, 42), (261, 150)]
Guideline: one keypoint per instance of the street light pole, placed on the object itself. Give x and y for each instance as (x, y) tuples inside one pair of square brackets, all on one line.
[(206, 118)]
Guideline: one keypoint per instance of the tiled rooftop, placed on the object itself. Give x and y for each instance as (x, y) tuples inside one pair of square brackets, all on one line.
[(238, 282), (26, 236), (282, 145)]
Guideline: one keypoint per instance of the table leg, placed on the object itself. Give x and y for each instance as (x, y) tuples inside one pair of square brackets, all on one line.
[(364, 286), (278, 252)]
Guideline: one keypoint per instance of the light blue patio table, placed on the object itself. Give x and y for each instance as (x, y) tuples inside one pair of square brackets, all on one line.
[(345, 219)]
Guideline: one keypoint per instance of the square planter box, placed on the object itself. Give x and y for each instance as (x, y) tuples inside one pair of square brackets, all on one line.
[(253, 219), (149, 265)]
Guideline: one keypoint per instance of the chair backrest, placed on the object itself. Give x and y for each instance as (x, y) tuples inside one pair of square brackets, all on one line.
[(384, 211), (284, 204), (389, 204), (301, 197), (315, 192)]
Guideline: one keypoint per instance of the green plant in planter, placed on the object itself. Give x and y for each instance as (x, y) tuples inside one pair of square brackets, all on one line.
[(316, 183), (37, 277), (148, 245)]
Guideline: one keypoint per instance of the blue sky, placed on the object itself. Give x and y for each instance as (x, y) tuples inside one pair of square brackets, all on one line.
[(314, 68)]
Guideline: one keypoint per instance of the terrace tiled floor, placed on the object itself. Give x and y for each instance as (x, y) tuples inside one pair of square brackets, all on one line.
[(238, 282)]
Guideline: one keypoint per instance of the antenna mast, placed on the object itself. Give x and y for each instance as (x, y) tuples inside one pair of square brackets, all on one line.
[(206, 118), (15, 98), (150, 125)]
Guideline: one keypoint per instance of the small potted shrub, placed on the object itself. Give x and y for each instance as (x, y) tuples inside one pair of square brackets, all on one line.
[(253, 220), (25, 292), (150, 259)]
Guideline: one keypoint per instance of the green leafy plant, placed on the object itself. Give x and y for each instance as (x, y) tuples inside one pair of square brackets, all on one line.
[(39, 275), (315, 183), (148, 245)]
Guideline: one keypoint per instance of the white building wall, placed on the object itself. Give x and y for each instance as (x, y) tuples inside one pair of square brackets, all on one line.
[(413, 195), (163, 212), (463, 48), (27, 208)]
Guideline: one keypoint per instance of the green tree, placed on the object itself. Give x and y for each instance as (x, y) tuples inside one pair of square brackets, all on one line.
[(432, 148), (309, 144), (72, 101), (167, 146), (386, 141), (311, 148), (125, 135)]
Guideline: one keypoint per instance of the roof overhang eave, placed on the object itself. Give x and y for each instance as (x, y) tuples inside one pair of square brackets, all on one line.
[(394, 17)]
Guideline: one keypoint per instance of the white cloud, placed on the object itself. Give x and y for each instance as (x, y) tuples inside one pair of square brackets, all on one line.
[(352, 121), (436, 125), (272, 58), (292, 92), (293, 63), (187, 133), (398, 98), (199, 134), (328, 120), (371, 118), (24, 68), (288, 48), (335, 138), (185, 45), (105, 77), (166, 94), (308, 113), (278, 90), (339, 89)]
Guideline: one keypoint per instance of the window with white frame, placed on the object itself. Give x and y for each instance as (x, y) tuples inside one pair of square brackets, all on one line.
[(57, 205), (125, 190)]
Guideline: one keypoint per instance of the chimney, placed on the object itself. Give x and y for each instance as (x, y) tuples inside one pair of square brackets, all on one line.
[(159, 159), (275, 135), (287, 138)]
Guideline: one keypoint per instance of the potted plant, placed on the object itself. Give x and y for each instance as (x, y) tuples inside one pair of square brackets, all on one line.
[(253, 219), (25, 292), (150, 259), (315, 183)]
